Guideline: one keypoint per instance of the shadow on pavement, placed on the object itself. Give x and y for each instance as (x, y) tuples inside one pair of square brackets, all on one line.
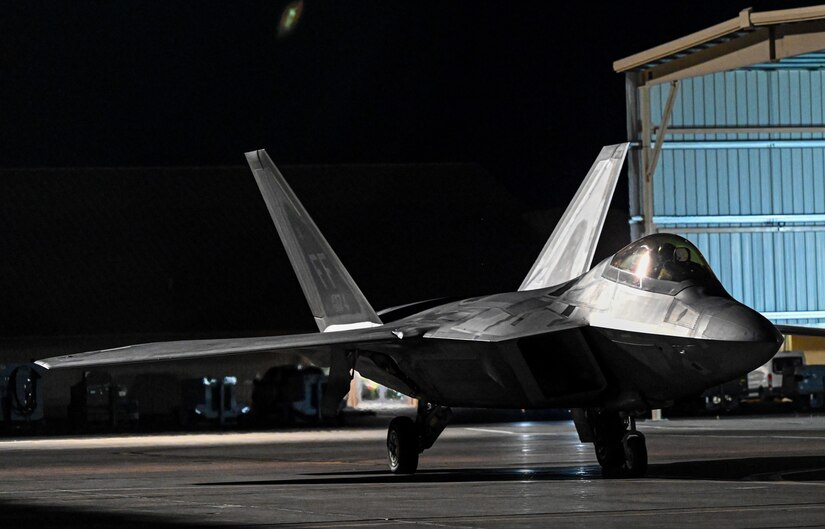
[(798, 468), (804, 468), (34, 516)]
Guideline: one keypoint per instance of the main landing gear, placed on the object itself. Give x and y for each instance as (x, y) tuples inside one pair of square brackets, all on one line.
[(620, 448), (407, 438)]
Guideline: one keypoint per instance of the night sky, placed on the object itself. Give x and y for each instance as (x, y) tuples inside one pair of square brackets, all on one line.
[(495, 110)]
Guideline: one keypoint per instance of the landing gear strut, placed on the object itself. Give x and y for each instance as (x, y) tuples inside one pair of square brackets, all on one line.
[(406, 439), (620, 448)]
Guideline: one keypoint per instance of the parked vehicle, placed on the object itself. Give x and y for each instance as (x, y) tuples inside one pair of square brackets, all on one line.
[(98, 402), (767, 382), (288, 394), (725, 397), (810, 390), (211, 400), (21, 396)]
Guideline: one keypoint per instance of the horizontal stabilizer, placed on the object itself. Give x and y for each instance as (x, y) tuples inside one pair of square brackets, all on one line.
[(335, 300), (569, 250)]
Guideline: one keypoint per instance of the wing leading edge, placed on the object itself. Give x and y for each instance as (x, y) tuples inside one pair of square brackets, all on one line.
[(199, 349), (569, 251)]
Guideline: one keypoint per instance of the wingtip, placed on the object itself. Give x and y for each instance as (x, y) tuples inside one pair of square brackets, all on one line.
[(43, 364)]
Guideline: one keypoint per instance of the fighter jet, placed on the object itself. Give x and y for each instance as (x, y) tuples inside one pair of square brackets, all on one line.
[(648, 325)]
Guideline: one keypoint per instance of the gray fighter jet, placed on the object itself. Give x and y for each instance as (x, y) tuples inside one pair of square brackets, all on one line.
[(644, 327)]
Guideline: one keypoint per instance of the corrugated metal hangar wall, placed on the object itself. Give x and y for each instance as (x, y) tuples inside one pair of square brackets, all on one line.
[(731, 155)]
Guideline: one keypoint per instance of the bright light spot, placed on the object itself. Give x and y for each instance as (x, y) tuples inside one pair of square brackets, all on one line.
[(290, 17), (642, 266)]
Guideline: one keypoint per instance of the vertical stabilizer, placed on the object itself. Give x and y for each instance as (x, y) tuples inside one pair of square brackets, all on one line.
[(335, 300), (569, 250)]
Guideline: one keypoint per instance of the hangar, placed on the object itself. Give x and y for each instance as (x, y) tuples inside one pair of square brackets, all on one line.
[(730, 127)]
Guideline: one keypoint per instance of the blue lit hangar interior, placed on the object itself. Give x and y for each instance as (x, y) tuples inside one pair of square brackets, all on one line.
[(731, 125)]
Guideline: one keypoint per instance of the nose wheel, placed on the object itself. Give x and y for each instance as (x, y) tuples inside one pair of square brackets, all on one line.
[(620, 449), (635, 454)]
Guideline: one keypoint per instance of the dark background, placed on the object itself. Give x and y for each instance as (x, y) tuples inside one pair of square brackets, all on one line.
[(434, 143)]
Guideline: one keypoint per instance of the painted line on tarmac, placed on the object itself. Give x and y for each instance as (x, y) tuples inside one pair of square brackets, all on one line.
[(192, 440), (490, 430), (740, 436)]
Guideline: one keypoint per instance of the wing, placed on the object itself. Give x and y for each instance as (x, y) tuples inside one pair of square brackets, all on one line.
[(334, 350), (335, 300), (200, 349), (799, 330), (569, 250)]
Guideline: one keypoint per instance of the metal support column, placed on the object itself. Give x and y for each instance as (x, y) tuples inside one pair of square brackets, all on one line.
[(661, 131), (635, 170), (647, 184), (650, 155)]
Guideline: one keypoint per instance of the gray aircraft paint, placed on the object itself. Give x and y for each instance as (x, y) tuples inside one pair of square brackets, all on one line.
[(334, 298), (569, 251), (590, 341)]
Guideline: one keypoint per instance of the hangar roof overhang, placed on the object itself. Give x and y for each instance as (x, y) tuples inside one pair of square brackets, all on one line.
[(769, 39)]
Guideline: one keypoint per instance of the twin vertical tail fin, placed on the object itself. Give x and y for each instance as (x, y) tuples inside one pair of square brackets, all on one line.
[(569, 250), (335, 300)]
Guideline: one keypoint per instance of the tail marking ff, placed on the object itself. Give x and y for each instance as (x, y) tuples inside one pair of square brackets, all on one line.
[(335, 300)]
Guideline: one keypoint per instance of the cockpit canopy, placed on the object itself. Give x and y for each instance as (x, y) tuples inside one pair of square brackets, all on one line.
[(661, 262)]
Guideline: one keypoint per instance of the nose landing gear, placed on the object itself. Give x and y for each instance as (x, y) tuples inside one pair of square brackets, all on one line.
[(635, 453), (620, 448), (406, 439)]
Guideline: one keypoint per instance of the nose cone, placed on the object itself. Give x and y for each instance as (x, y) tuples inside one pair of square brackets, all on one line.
[(746, 327), (738, 323)]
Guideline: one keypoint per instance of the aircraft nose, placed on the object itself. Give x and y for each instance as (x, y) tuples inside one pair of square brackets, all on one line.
[(738, 323)]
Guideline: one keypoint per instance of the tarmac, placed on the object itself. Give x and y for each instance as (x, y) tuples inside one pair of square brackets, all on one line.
[(729, 472)]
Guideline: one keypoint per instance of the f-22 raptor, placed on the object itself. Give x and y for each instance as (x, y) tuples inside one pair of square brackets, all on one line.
[(648, 325)]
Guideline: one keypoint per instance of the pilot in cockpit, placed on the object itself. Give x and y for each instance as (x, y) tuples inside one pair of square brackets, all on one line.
[(672, 264), (664, 258)]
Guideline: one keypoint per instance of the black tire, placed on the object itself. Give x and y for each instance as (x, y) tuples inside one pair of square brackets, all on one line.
[(402, 446), (802, 402), (635, 455), (610, 457)]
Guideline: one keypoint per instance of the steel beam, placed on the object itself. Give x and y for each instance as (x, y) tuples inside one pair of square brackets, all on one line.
[(635, 170), (744, 144), (741, 229), (647, 190), (801, 315), (739, 219), (808, 129), (660, 139)]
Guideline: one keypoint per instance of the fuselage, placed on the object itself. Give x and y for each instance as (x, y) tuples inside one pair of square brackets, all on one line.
[(633, 331)]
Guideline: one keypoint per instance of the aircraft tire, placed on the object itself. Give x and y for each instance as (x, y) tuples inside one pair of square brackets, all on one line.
[(635, 455), (611, 457), (402, 446)]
